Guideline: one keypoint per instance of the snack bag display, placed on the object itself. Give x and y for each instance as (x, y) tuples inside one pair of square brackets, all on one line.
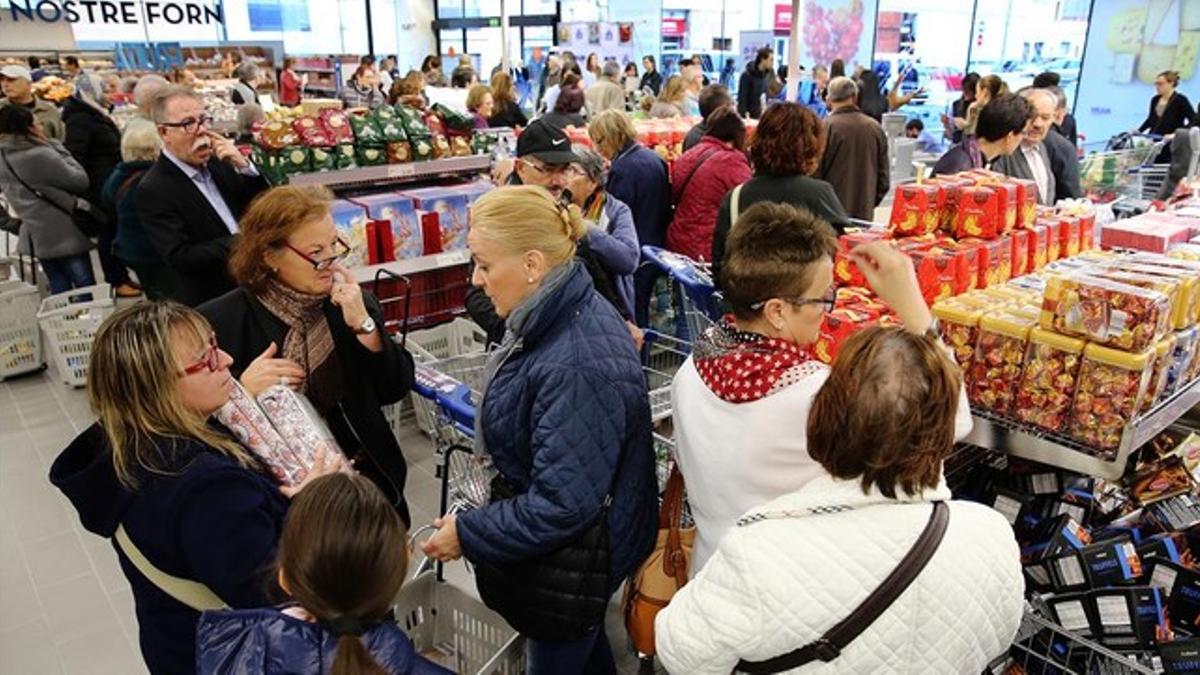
[(294, 160), (246, 420), (1160, 370), (399, 152), (981, 213), (1048, 383), (301, 428), (401, 215), (337, 125), (916, 210), (371, 155), (1107, 312), (312, 133), (390, 125), (1111, 386), (366, 131), (960, 329), (460, 146), (999, 358), (277, 135), (323, 159), (413, 121)]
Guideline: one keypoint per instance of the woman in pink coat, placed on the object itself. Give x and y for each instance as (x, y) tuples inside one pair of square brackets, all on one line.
[(700, 180)]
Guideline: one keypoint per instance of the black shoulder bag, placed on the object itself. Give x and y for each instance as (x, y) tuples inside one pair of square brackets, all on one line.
[(559, 596), (830, 645), (89, 219)]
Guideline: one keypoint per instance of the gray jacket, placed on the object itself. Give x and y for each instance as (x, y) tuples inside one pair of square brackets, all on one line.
[(46, 113), (51, 169), (1015, 165)]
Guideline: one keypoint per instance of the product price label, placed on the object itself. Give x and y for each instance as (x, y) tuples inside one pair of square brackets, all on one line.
[(1163, 577), (1009, 507), (1072, 615), (1114, 612), (1071, 572), (401, 170)]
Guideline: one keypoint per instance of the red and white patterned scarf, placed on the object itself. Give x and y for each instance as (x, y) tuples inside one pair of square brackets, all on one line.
[(740, 367)]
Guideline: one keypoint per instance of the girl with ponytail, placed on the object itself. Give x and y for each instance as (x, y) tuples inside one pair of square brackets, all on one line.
[(342, 559), (565, 418)]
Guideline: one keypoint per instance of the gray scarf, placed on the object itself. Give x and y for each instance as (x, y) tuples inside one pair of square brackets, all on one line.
[(513, 339)]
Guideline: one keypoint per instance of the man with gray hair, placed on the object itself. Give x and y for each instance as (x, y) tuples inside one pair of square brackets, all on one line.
[(1031, 161), (856, 150), (245, 90), (607, 93), (1064, 161), (194, 194)]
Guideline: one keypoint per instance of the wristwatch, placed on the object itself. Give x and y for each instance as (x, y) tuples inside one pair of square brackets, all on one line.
[(366, 328)]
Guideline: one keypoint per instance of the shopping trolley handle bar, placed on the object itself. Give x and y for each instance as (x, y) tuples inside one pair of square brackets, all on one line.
[(684, 270), (457, 406)]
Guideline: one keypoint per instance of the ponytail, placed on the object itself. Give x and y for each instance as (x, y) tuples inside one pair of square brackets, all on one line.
[(352, 658)]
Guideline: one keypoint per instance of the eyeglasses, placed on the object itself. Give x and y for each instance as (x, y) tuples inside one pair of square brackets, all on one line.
[(190, 125), (827, 301), (550, 170), (325, 263), (210, 360)]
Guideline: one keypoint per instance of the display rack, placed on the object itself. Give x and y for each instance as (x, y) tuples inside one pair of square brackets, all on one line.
[(412, 266), (1020, 440), (389, 174)]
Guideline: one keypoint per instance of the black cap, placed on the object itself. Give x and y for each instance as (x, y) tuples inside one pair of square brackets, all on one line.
[(545, 142)]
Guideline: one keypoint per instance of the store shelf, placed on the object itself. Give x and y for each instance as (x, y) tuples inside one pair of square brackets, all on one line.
[(1019, 440), (412, 266), (394, 173), (312, 70)]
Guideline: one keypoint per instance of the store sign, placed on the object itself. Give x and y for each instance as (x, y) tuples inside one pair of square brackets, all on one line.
[(783, 18), (116, 12), (674, 28)]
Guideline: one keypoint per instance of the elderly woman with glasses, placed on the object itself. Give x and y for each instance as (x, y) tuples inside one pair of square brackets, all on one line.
[(750, 381), (299, 319)]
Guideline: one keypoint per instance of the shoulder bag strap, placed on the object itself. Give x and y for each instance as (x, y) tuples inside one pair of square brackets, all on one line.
[(686, 181), (36, 192), (126, 185), (191, 593), (670, 517), (830, 645), (734, 211)]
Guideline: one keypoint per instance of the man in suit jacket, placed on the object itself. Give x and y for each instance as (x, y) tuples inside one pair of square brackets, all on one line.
[(1031, 161), (193, 195)]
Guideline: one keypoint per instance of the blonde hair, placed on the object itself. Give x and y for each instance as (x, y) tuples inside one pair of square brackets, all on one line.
[(141, 142), (612, 127), (475, 97), (674, 91), (527, 218), (131, 385)]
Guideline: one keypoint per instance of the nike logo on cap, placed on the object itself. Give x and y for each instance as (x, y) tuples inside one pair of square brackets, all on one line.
[(558, 142)]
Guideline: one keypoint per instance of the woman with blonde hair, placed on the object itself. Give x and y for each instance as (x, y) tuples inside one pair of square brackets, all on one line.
[(988, 88), (565, 420), (672, 100), (298, 318), (507, 112), (177, 494)]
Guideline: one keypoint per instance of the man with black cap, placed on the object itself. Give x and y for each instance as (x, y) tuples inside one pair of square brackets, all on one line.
[(544, 158)]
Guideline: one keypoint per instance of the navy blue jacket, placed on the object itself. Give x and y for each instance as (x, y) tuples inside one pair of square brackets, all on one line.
[(132, 244), (639, 178), (269, 642), (208, 520), (557, 415)]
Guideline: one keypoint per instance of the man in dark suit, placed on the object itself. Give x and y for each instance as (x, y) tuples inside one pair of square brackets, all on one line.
[(193, 195), (1064, 160), (1031, 161), (1064, 122)]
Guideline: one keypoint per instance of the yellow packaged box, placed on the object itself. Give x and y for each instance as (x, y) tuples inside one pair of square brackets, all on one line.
[(1159, 373), (1168, 286), (999, 357), (960, 329), (1111, 386), (1049, 378), (1107, 312)]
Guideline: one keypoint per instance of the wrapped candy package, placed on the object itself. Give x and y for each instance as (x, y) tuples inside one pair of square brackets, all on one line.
[(1111, 386), (1161, 370), (999, 357), (1107, 312), (301, 428), (1048, 383), (246, 420), (960, 330)]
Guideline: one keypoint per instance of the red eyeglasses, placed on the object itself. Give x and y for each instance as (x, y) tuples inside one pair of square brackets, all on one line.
[(210, 360)]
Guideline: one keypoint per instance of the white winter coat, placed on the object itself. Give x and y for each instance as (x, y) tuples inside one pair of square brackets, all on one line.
[(796, 566)]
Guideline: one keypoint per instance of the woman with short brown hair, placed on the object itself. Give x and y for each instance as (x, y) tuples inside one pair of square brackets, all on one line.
[(299, 319), (796, 566), (786, 150)]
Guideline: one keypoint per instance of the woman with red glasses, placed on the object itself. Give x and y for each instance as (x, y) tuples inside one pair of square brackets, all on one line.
[(299, 319), (193, 516)]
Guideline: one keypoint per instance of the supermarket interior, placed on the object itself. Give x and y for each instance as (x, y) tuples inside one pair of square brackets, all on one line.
[(427, 336)]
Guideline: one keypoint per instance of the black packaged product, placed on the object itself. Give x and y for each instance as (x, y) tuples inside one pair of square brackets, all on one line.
[(1109, 563), (1153, 624), (1008, 503), (1074, 612), (1182, 586), (1052, 537), (1116, 618), (1170, 546), (1181, 657), (1043, 508), (1177, 513)]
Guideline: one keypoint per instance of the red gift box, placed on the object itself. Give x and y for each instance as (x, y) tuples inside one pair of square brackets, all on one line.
[(1027, 201), (995, 261), (980, 213), (1039, 236), (945, 272), (1068, 237), (1007, 192), (837, 327), (916, 210), (1021, 263), (848, 241), (846, 272), (1087, 231), (1153, 232), (1054, 249)]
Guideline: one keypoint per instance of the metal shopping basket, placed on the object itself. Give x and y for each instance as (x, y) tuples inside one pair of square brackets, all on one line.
[(1042, 646), (459, 337), (20, 337), (700, 298), (662, 356), (69, 321)]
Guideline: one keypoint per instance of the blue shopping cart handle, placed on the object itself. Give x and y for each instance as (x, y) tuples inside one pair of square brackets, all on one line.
[(458, 407), (681, 268), (428, 383)]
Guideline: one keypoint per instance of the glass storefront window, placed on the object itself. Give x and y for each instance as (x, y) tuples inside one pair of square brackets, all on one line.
[(1021, 38), (450, 9), (481, 8)]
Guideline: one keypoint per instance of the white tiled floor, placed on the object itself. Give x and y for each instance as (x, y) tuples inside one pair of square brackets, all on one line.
[(65, 606)]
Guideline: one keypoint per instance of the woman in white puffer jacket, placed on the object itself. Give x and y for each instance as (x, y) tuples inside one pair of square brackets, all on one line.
[(794, 567)]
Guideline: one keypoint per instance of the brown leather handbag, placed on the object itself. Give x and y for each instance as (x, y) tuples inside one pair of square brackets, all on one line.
[(664, 572)]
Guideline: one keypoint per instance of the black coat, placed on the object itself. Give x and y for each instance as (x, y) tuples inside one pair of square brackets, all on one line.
[(508, 114), (1179, 113), (1068, 129), (1064, 164), (186, 230), (94, 141), (751, 87), (653, 81), (245, 328)]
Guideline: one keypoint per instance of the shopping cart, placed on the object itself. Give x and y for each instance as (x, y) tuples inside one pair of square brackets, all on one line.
[(20, 338), (1124, 168), (69, 321), (459, 337), (1042, 646), (662, 356), (700, 298)]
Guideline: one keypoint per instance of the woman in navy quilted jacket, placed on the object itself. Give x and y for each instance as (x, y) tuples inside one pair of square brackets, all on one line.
[(566, 421)]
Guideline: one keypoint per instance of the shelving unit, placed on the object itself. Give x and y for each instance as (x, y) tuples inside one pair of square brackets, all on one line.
[(425, 263), (394, 174), (326, 73), (1001, 433)]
